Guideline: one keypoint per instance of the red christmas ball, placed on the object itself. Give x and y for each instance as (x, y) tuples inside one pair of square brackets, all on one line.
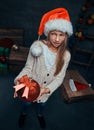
[(90, 21), (33, 93)]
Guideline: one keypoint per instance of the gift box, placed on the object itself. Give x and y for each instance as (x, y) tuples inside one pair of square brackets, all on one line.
[(27, 89)]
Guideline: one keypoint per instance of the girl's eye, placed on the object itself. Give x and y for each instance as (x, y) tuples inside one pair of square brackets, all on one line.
[(52, 33), (55, 34), (62, 34)]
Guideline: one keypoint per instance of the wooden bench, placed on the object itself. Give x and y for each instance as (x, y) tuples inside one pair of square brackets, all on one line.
[(15, 34), (9, 37), (72, 96), (17, 58)]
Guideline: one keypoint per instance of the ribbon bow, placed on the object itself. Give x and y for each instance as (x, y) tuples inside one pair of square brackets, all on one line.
[(24, 82)]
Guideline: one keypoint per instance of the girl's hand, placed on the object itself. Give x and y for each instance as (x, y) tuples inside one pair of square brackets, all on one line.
[(43, 90), (15, 93), (17, 82)]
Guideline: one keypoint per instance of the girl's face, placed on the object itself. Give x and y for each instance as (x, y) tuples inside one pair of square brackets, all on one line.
[(56, 38)]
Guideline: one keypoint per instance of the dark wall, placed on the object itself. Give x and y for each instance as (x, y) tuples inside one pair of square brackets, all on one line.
[(26, 14)]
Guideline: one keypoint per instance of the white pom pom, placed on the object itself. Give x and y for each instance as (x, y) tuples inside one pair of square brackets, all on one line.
[(36, 49)]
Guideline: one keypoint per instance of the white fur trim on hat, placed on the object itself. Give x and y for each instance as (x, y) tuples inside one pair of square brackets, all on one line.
[(36, 48), (60, 25)]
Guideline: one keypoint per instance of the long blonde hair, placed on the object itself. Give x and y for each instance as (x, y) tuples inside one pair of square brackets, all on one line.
[(60, 56)]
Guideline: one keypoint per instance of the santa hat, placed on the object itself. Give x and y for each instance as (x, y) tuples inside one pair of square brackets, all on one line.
[(57, 19)]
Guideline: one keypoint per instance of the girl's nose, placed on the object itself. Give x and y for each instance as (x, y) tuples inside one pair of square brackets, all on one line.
[(57, 38)]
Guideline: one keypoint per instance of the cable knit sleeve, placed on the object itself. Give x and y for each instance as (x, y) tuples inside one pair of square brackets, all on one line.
[(27, 68), (60, 77), (34, 51)]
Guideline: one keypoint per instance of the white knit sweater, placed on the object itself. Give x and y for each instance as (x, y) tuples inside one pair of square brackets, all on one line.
[(36, 69)]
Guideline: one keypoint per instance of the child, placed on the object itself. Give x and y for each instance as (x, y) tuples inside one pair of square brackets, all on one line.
[(48, 59)]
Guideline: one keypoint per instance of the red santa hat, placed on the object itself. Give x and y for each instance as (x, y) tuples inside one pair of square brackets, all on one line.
[(57, 19)]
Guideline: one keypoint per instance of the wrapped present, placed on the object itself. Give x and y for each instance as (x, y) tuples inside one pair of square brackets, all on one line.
[(2, 59), (4, 51), (27, 89), (3, 67)]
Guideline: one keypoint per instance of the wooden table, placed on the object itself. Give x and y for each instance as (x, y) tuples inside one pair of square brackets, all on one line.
[(72, 96), (18, 58)]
